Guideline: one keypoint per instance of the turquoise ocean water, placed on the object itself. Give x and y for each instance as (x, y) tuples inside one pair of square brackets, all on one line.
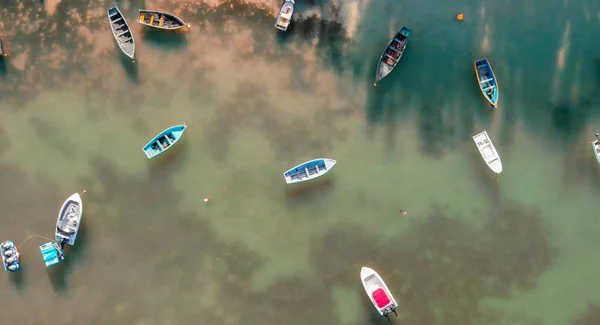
[(74, 115)]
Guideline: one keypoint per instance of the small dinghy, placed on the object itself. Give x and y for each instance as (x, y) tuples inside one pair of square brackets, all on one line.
[(392, 54), (121, 32), (378, 292), (596, 147), (52, 253), (160, 20), (309, 170), (488, 151), (284, 18), (487, 81), (164, 140), (10, 256), (2, 52), (69, 220)]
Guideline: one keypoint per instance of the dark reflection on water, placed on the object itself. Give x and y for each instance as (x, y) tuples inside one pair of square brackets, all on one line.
[(129, 66), (166, 40), (305, 193)]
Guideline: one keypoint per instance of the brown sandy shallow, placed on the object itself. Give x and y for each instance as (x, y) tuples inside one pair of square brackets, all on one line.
[(75, 112)]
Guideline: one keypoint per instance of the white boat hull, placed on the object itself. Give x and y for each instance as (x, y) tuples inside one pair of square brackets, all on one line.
[(378, 292), (488, 151), (596, 148), (69, 219)]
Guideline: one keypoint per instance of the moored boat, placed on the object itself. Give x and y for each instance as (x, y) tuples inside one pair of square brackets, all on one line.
[(161, 20), (69, 220), (392, 54), (309, 170), (596, 147), (487, 81), (2, 52), (488, 151), (284, 18), (163, 141), (121, 32), (10, 256), (52, 253), (378, 292)]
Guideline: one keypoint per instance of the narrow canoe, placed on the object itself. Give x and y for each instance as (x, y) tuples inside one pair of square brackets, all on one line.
[(309, 170), (163, 141), (487, 81), (10, 256), (161, 20), (121, 32), (596, 147), (392, 54), (284, 18), (378, 292), (488, 151), (69, 220)]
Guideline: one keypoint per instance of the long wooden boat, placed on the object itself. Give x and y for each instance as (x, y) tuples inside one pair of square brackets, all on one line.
[(121, 32), (69, 220), (163, 141), (309, 170), (392, 54), (378, 292), (596, 147), (284, 18), (10, 256), (160, 20), (488, 151), (487, 81)]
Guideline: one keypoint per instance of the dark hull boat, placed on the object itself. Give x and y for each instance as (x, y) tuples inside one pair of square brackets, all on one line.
[(487, 81), (392, 54), (160, 20), (121, 32), (2, 52)]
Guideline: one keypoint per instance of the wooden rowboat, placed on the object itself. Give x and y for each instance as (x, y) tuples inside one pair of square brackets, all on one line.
[(392, 54), (309, 170), (487, 81), (284, 18), (163, 141), (488, 151), (160, 20), (596, 147), (121, 32)]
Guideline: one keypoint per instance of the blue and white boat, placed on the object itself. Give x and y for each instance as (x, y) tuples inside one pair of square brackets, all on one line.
[(488, 151), (309, 170), (69, 220), (596, 147), (52, 253), (164, 140), (10, 256), (284, 18), (487, 81), (392, 54)]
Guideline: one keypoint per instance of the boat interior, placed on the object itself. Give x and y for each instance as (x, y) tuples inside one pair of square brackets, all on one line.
[(159, 20), (163, 142), (307, 170), (120, 28)]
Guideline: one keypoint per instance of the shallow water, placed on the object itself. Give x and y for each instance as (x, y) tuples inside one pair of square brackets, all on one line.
[(473, 250)]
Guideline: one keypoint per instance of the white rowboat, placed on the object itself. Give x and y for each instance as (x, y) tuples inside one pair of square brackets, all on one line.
[(488, 151)]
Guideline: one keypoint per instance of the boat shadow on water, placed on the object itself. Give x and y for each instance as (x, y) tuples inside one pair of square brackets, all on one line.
[(17, 279), (60, 273), (3, 67), (130, 67), (485, 178), (306, 192), (165, 39), (169, 161)]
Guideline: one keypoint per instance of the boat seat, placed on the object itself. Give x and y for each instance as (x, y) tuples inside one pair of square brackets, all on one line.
[(381, 298), (482, 66), (486, 80), (489, 88)]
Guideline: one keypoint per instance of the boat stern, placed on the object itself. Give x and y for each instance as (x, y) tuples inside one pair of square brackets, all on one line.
[(52, 254)]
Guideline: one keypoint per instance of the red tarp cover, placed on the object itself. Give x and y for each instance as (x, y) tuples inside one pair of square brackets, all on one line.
[(381, 299)]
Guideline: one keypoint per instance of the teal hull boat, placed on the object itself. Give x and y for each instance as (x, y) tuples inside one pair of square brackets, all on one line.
[(52, 253), (487, 81), (163, 141)]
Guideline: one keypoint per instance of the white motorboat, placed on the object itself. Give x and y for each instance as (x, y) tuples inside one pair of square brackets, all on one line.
[(378, 292), (69, 220)]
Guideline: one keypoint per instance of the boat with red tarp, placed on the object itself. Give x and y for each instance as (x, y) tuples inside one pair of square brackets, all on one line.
[(378, 292)]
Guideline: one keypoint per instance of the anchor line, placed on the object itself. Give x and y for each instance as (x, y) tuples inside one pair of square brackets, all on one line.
[(32, 236)]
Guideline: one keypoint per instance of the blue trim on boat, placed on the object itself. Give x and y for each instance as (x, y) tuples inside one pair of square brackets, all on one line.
[(163, 141)]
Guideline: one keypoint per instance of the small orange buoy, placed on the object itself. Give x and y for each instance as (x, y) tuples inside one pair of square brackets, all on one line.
[(460, 16)]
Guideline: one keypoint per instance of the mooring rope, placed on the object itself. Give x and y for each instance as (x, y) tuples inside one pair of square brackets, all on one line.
[(32, 236)]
